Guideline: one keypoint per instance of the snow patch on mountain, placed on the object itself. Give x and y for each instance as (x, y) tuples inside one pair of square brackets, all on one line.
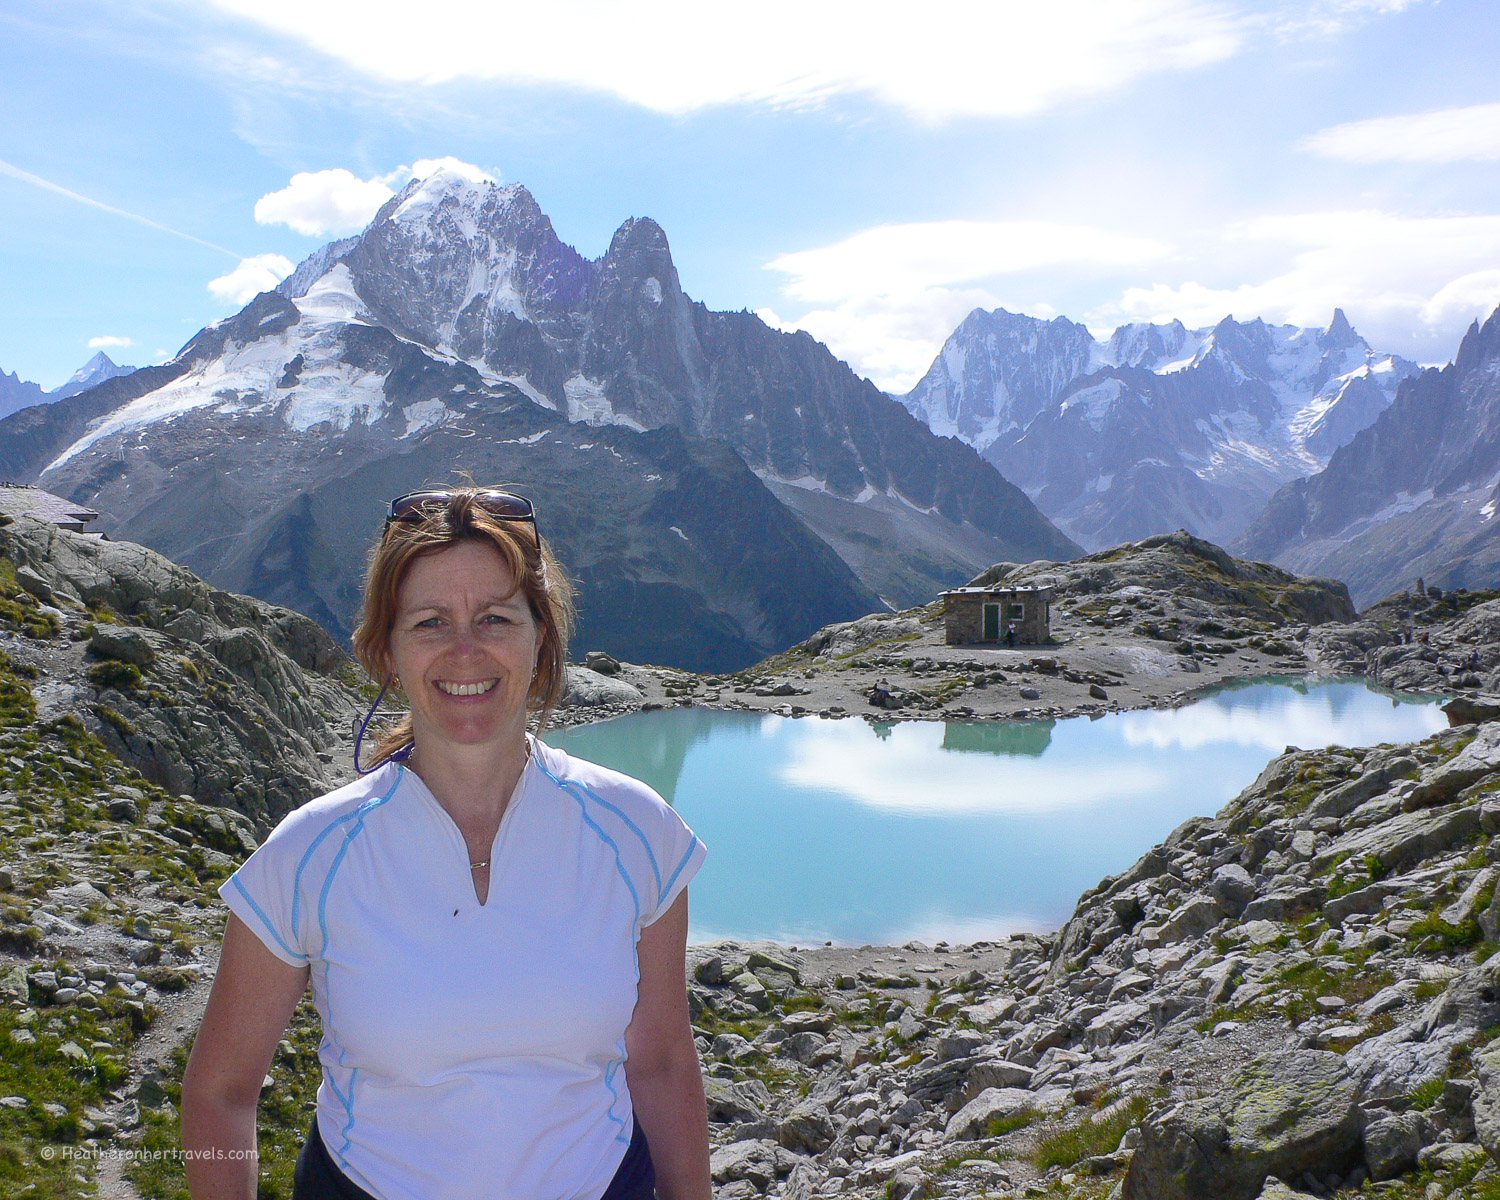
[(258, 375), (1095, 403), (424, 415), (333, 393), (588, 403), (332, 298)]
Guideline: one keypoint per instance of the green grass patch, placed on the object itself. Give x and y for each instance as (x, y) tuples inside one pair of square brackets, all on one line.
[(78, 1054), (1433, 935), (112, 673), (1089, 1138), (999, 1126)]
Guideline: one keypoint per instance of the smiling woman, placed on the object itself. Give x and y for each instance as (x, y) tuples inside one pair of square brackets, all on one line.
[(492, 929)]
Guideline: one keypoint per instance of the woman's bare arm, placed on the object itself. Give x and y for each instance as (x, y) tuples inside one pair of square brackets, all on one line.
[(666, 1083), (253, 997)]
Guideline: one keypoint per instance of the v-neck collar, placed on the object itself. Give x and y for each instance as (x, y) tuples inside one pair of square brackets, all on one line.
[(455, 834)]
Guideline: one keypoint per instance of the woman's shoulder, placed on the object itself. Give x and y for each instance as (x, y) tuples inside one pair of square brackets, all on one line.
[(602, 784), (331, 810)]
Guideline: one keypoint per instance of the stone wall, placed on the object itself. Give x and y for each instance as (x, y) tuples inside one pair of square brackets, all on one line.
[(963, 616)]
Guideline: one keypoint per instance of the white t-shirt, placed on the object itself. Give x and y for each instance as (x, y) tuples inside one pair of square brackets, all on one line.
[(472, 1050)]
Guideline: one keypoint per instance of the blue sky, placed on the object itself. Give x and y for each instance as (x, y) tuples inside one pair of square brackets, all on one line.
[(868, 171)]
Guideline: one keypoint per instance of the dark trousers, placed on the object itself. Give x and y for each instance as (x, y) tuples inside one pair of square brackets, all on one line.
[(317, 1176)]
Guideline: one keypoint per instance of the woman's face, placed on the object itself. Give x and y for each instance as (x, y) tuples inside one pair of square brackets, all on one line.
[(464, 646)]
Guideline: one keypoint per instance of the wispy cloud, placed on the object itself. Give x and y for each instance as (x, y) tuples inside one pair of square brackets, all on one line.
[(17, 173), (1448, 135), (1391, 273), (885, 298), (110, 342), (951, 58), (259, 273)]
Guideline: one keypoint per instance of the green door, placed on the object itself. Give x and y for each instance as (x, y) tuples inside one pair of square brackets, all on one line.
[(992, 622)]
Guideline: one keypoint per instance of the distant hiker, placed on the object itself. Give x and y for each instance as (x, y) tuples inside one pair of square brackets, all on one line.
[(502, 1050), (1010, 634)]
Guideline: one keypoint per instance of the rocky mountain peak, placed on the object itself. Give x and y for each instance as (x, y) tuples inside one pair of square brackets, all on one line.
[(458, 330), (638, 235), (1410, 494), (1340, 334), (1142, 344), (639, 259), (452, 262), (1159, 427), (1481, 344)]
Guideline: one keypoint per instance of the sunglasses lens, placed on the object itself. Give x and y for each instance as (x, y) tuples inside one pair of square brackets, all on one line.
[(411, 505), (503, 504), (500, 504)]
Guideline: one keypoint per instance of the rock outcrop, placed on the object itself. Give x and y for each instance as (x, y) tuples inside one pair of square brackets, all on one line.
[(225, 698)]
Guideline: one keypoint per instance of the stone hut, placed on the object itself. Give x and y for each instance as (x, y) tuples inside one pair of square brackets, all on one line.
[(982, 614), (21, 499)]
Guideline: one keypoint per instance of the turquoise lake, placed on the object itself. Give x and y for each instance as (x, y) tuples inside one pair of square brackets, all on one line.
[(855, 832)]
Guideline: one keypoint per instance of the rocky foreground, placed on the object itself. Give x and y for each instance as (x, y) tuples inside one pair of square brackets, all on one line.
[(1297, 995), (1300, 995), (151, 727)]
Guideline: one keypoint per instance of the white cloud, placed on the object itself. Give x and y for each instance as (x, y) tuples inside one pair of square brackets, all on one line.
[(259, 273), (836, 757), (885, 298), (890, 339), (948, 58), (317, 203), (110, 342), (1291, 720), (1450, 135), (337, 201), (1400, 279)]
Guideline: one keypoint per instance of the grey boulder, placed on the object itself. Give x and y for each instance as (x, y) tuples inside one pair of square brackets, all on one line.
[(1283, 1114)]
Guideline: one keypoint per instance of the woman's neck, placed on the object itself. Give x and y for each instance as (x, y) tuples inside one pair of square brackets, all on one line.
[(473, 783)]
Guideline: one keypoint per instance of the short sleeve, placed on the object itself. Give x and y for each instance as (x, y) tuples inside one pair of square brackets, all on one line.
[(262, 893), (679, 852)]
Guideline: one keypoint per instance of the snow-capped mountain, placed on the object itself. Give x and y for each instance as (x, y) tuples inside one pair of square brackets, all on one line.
[(459, 331), (476, 272), (17, 393), (263, 455), (91, 374), (1160, 427), (1412, 495)]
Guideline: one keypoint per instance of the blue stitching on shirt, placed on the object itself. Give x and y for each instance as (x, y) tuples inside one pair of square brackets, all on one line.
[(318, 841), (594, 825), (667, 887), (265, 920), (613, 1068), (631, 825), (358, 815)]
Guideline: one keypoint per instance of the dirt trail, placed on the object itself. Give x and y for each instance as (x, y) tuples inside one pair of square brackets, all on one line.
[(178, 1017)]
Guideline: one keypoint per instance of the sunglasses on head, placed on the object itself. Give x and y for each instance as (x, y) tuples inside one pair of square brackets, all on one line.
[(508, 507)]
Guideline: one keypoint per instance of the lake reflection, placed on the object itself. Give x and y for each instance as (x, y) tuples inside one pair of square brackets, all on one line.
[(885, 832)]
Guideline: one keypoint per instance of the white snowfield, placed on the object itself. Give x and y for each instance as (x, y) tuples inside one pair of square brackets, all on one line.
[(246, 377)]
